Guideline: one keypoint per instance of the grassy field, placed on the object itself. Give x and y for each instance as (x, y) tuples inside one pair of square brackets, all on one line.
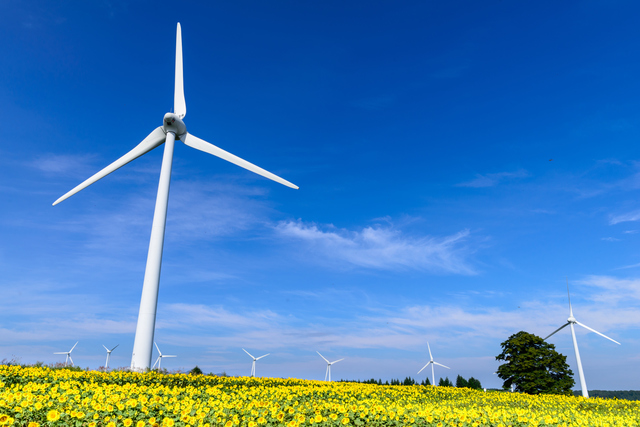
[(40, 396)]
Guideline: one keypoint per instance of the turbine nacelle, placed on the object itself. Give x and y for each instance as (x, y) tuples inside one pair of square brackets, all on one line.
[(174, 124), (572, 319)]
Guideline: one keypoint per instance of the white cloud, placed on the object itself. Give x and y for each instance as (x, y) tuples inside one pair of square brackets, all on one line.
[(493, 179), (383, 248), (626, 217)]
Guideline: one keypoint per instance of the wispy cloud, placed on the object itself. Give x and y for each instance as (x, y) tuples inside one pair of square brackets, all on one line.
[(493, 179), (62, 164), (383, 248), (625, 217)]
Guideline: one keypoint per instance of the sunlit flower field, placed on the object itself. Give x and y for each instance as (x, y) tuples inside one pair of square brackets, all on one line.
[(40, 396)]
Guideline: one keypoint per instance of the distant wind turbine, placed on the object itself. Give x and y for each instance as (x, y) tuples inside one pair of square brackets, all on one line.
[(106, 365), (253, 365), (68, 353), (328, 372), (159, 359), (432, 362), (570, 322), (172, 129)]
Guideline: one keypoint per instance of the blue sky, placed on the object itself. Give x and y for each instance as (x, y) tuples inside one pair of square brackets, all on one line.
[(457, 162)]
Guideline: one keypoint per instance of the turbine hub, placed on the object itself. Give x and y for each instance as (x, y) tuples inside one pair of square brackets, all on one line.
[(174, 124), (571, 319)]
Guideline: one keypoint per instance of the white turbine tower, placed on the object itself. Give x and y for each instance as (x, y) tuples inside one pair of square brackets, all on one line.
[(68, 353), (173, 128), (159, 359), (253, 365), (328, 371), (106, 364), (570, 322), (432, 362)]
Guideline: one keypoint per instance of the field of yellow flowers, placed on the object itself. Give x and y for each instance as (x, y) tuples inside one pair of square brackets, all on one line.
[(40, 396)]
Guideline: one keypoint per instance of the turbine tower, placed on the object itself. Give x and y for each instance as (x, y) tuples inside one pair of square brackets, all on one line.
[(106, 364), (253, 365), (328, 372), (432, 362), (570, 322), (68, 353), (159, 359), (172, 129)]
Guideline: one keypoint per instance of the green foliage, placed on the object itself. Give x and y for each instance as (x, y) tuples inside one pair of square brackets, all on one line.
[(612, 394), (461, 382), (196, 371), (533, 366), (474, 384), (445, 382), (426, 381)]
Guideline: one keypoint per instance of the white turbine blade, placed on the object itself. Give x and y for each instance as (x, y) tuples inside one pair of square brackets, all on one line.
[(569, 295), (114, 348), (561, 327), (153, 140), (322, 357), (263, 356), (430, 356), (428, 363), (440, 364), (336, 361), (179, 104), (105, 347), (74, 346), (250, 355), (199, 144), (71, 359), (593, 330), (156, 362), (62, 352), (159, 352), (169, 355)]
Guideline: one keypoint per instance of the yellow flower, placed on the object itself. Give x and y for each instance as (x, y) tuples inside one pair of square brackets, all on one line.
[(345, 421), (168, 422), (128, 422), (33, 424), (140, 424), (53, 415), (111, 424)]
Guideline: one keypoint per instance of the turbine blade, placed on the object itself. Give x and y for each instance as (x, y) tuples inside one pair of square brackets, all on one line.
[(169, 355), (428, 363), (115, 347), (440, 364), (322, 357), (153, 140), (105, 347), (593, 330), (74, 346), (248, 353), (430, 356), (154, 343), (337, 361), (263, 356), (569, 295), (62, 352), (179, 104), (199, 144), (561, 327)]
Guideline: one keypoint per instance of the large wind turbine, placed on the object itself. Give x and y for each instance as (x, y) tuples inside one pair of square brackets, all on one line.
[(253, 365), (570, 322), (328, 371), (106, 364), (159, 359), (173, 128), (68, 353), (432, 362)]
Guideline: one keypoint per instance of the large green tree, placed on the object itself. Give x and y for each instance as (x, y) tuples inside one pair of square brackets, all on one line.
[(533, 366)]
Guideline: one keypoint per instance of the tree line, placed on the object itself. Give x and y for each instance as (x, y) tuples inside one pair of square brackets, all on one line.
[(444, 382)]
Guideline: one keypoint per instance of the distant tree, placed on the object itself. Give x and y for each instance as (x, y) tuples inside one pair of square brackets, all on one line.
[(533, 366), (445, 382), (196, 371), (461, 382), (474, 384), (409, 381), (426, 381)]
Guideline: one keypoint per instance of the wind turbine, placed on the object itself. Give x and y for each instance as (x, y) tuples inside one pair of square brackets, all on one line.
[(106, 365), (328, 372), (570, 322), (68, 353), (432, 362), (159, 359), (253, 365), (172, 129)]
